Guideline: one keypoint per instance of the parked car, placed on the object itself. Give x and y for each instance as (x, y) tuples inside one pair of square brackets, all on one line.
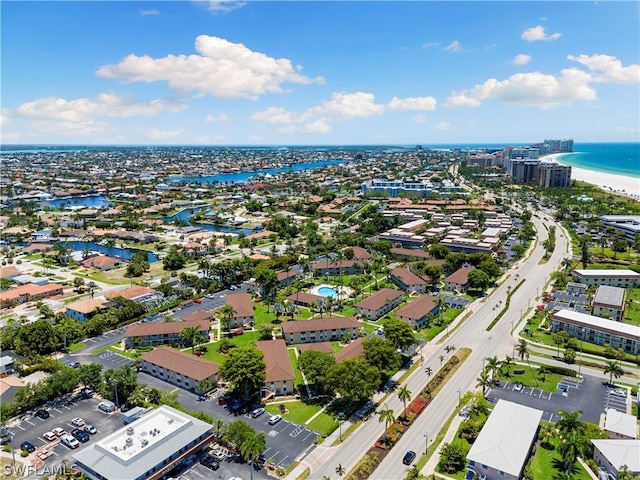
[(409, 457), (80, 435), (618, 392), (257, 412), (210, 462), (87, 393), (59, 431), (518, 387), (197, 300), (49, 436), (77, 422), (28, 446), (274, 419), (107, 406), (70, 441), (90, 429), (74, 364), (43, 414)]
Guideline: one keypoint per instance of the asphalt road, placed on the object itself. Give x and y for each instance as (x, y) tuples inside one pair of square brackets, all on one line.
[(471, 334)]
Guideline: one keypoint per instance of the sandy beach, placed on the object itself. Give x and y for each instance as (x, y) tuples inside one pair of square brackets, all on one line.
[(620, 184)]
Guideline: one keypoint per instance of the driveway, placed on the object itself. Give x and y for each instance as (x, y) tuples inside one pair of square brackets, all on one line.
[(587, 396)]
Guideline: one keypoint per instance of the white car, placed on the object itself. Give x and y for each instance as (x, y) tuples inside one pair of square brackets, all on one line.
[(49, 436), (70, 441), (618, 392), (274, 419), (77, 422), (59, 431), (518, 387)]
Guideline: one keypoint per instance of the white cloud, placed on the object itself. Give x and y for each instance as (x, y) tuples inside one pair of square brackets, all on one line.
[(430, 44), (222, 69), (453, 47), (4, 116), (412, 103), (342, 106), (521, 59), (105, 105), (608, 68), (162, 135), (217, 118), (146, 13), (443, 126), (86, 128), (537, 33), (224, 6), (419, 119), (529, 89)]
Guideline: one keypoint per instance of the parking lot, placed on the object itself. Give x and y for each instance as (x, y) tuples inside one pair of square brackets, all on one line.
[(285, 440), (591, 396), (32, 428)]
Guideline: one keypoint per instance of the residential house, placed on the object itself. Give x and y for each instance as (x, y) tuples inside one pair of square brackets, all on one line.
[(101, 262), (136, 293), (280, 378), (408, 281), (9, 272), (609, 302), (620, 425), (332, 267), (599, 331), (179, 368), (304, 299), (613, 278), (152, 334), (503, 446), (286, 277), (458, 280), (320, 330), (410, 254), (379, 304), (28, 293), (243, 309), (83, 310), (417, 312), (324, 347), (612, 455), (9, 386), (353, 350), (7, 365), (360, 254)]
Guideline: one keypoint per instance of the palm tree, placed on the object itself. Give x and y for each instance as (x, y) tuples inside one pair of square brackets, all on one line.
[(340, 470), (404, 395), (442, 303), (614, 369), (624, 473), (252, 446), (547, 432), (484, 381), (227, 312), (493, 367), (573, 445), (570, 423), (190, 337), (522, 348), (386, 415), (507, 362), (429, 372), (441, 357), (220, 427)]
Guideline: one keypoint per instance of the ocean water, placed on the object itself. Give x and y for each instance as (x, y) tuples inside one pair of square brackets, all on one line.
[(614, 158)]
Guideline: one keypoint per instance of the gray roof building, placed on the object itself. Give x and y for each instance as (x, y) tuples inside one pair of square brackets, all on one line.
[(504, 443), (610, 297), (146, 449)]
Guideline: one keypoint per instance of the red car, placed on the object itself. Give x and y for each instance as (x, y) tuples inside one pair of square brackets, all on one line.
[(197, 300), (239, 331)]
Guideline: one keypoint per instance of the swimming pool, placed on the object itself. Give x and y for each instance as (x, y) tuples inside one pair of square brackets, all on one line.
[(325, 291)]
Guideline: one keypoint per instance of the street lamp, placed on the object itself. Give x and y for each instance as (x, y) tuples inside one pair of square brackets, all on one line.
[(582, 330), (115, 388), (341, 418), (459, 400), (426, 442)]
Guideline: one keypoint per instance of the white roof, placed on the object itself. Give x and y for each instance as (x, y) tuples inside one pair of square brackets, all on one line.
[(621, 423), (597, 323), (506, 438), (620, 452), (612, 273)]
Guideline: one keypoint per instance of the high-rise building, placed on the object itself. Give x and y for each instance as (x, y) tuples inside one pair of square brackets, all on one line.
[(553, 175)]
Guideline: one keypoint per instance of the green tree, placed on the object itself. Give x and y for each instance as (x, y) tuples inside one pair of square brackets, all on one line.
[(484, 381), (614, 369), (237, 432), (572, 446), (227, 312), (354, 379), (570, 423), (404, 395), (453, 457), (399, 333), (244, 367), (387, 416), (90, 375), (252, 446), (381, 353), (315, 366), (174, 259), (190, 337), (123, 380), (493, 367)]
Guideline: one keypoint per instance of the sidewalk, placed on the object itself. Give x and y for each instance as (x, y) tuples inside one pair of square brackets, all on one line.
[(430, 466)]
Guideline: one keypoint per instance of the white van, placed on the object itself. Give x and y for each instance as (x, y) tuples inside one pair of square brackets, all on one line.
[(70, 441)]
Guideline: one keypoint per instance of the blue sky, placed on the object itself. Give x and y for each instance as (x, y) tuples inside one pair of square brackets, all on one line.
[(328, 73)]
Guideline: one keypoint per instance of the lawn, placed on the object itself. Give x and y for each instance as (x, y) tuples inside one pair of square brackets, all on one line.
[(298, 412), (299, 381), (261, 315), (632, 313), (76, 346), (548, 464), (548, 384), (324, 424)]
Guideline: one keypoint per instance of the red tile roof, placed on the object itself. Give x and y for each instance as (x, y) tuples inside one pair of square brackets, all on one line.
[(146, 329), (407, 277), (460, 276), (130, 293), (419, 307), (181, 362), (379, 299), (354, 349), (241, 303), (277, 360)]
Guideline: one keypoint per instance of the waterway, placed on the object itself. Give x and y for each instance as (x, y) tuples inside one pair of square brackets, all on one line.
[(89, 201), (242, 177), (188, 212), (124, 253)]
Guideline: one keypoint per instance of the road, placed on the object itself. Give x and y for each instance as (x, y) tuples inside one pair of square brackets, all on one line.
[(471, 334)]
